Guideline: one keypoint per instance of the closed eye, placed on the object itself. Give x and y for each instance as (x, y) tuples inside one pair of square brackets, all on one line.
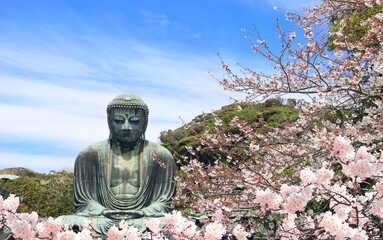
[(134, 119), (118, 121), (135, 122)]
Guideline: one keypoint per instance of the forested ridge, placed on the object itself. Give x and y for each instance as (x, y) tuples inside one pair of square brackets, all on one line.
[(50, 195), (272, 113)]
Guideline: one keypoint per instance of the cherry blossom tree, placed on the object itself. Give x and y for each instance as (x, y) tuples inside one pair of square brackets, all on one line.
[(319, 177)]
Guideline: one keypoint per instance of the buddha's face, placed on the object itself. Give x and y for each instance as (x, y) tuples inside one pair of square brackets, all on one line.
[(126, 124)]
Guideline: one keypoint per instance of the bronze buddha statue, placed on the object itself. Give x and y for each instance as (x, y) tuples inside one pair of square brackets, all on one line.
[(123, 177)]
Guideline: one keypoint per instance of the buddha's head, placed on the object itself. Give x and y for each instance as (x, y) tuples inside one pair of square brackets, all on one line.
[(127, 118)]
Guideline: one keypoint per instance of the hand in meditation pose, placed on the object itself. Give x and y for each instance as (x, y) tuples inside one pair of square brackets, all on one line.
[(124, 177)]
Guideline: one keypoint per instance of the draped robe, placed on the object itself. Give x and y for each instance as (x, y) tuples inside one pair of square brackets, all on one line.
[(92, 191)]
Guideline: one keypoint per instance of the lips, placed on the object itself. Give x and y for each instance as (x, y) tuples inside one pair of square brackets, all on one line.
[(128, 133)]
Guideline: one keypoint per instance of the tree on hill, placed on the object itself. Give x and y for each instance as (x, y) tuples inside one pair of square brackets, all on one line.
[(272, 113), (20, 171), (50, 195)]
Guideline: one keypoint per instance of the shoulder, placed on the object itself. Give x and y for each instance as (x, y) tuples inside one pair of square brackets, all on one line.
[(92, 151), (158, 150), (155, 147), (162, 153), (98, 145)]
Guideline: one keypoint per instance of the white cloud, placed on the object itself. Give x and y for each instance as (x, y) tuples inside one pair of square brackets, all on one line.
[(39, 163), (152, 18), (43, 95), (58, 94), (34, 123), (49, 112), (196, 35), (43, 61)]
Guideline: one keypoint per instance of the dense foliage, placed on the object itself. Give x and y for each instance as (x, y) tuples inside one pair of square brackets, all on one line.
[(50, 195), (351, 28), (272, 113)]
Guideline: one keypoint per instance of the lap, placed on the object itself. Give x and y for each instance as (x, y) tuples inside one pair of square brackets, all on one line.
[(102, 224)]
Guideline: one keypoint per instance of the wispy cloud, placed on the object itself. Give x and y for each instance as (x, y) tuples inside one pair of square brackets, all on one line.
[(150, 17), (39, 124), (196, 35), (58, 94), (43, 61), (41, 163)]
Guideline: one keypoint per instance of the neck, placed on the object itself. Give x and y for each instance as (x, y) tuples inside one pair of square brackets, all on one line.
[(125, 147)]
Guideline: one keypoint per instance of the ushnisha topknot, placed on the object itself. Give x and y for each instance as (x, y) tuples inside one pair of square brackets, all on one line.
[(128, 100)]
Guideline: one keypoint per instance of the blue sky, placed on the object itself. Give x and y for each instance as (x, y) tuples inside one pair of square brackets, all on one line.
[(62, 62)]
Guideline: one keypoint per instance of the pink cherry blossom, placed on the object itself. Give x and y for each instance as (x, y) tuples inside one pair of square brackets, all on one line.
[(343, 149), (268, 200), (11, 203), (215, 231), (240, 233), (323, 176), (154, 226), (66, 235), (115, 234), (307, 176)]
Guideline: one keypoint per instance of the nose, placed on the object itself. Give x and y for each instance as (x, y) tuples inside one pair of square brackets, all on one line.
[(127, 126)]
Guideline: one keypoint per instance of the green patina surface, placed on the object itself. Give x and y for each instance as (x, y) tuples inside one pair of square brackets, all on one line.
[(125, 176)]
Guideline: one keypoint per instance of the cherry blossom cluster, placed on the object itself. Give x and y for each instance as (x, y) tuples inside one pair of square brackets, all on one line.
[(319, 176), (27, 227)]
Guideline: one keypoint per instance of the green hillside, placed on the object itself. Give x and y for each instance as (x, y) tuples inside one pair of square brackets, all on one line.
[(47, 194), (270, 114)]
